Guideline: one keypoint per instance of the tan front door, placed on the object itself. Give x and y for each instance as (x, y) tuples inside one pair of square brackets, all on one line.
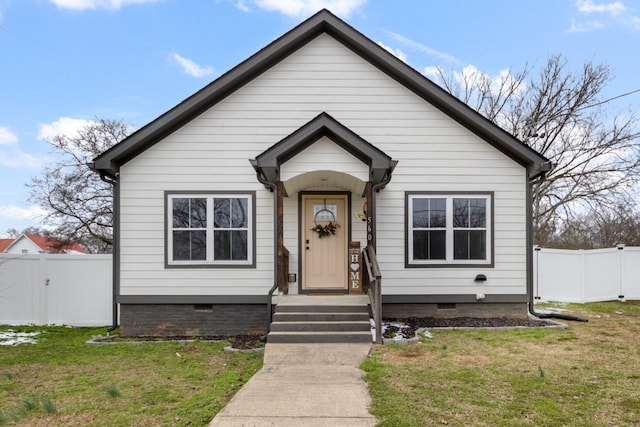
[(324, 260)]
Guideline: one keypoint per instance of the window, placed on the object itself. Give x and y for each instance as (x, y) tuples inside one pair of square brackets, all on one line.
[(448, 229), (210, 229)]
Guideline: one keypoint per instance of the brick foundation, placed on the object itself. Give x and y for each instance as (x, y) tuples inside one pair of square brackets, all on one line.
[(449, 311), (192, 320)]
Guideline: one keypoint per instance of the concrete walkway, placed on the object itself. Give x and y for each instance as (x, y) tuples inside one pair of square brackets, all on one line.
[(303, 385)]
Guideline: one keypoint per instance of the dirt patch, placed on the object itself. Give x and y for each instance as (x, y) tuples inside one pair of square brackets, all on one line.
[(241, 342), (245, 342)]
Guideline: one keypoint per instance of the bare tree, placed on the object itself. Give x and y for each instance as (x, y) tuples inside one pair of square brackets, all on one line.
[(605, 228), (14, 232), (78, 202), (560, 113)]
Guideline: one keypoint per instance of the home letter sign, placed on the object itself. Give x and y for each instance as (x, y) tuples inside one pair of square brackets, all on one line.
[(355, 280)]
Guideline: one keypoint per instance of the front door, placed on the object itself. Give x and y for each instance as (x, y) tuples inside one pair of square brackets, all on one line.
[(324, 242)]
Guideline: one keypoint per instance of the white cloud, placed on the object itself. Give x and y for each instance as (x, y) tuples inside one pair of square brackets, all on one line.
[(588, 6), (242, 6), (304, 8), (423, 49), (32, 213), (614, 14), (471, 76), (63, 126), (17, 159), (395, 52), (7, 137), (190, 67), (96, 4), (432, 72), (584, 27)]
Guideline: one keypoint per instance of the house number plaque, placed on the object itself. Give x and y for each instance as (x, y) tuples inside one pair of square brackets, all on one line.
[(355, 269)]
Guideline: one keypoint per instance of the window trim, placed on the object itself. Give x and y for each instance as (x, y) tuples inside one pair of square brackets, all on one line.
[(448, 262), (251, 238)]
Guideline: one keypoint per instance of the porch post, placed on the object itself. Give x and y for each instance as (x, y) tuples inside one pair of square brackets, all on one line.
[(283, 255), (371, 224)]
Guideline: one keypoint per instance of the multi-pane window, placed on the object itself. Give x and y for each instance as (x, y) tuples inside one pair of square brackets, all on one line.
[(210, 229), (449, 229)]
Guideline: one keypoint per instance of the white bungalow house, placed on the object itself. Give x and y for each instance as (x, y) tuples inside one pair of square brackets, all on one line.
[(222, 200)]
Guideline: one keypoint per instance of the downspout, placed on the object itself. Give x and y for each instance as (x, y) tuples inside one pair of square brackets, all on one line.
[(115, 247), (273, 186), (529, 240)]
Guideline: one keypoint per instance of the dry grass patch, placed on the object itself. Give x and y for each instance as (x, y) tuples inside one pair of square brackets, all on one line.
[(586, 375)]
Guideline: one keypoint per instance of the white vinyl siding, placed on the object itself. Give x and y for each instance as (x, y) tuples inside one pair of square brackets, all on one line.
[(324, 155), (212, 152)]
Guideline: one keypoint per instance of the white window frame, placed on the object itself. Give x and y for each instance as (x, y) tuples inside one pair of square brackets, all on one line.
[(449, 260), (209, 260)]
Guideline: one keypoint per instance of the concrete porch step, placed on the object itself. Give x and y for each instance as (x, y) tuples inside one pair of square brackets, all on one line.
[(327, 319), (276, 337), (317, 308), (322, 326), (307, 316)]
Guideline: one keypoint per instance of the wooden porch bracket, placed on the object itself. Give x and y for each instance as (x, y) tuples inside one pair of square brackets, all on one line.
[(371, 226)]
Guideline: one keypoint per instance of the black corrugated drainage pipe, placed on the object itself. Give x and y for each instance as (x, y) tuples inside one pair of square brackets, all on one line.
[(558, 316), (114, 307), (274, 188)]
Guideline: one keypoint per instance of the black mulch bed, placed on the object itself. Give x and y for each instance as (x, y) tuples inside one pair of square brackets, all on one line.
[(244, 342), (240, 342), (414, 323)]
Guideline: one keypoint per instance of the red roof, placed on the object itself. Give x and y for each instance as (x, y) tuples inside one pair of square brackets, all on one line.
[(55, 246), (4, 243)]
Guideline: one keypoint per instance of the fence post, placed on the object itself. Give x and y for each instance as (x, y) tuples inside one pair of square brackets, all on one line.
[(621, 271), (582, 274), (536, 271)]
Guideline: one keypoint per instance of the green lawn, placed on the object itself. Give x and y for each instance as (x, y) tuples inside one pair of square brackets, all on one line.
[(587, 375), (63, 381)]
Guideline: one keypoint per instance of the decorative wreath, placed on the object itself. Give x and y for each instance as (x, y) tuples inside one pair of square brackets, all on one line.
[(328, 229)]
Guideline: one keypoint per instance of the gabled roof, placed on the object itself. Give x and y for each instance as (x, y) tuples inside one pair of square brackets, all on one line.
[(4, 243), (49, 245), (322, 22), (268, 163)]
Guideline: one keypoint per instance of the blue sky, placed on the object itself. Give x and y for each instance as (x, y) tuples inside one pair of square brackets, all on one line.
[(66, 62)]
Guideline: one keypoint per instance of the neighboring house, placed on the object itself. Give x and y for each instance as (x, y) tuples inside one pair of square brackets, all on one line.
[(33, 244), (4, 243), (218, 199)]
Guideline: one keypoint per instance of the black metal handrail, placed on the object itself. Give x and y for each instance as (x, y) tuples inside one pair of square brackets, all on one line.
[(374, 288)]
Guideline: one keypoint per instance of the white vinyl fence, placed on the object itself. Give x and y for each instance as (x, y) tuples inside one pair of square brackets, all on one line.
[(44, 289), (76, 290), (586, 275)]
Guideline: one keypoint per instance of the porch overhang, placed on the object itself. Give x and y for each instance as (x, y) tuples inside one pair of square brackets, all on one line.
[(268, 163)]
